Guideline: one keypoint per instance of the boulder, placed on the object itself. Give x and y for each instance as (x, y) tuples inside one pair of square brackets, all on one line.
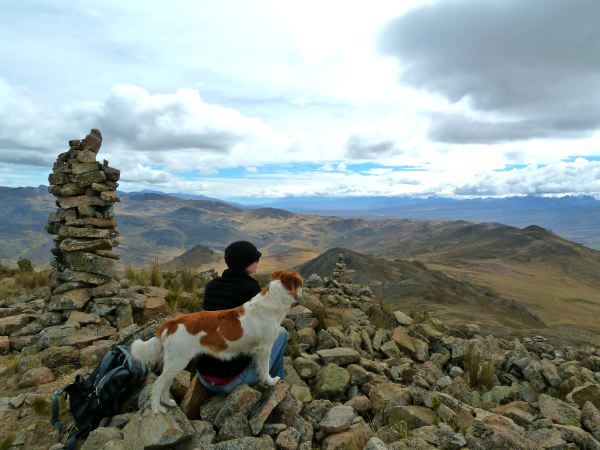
[(558, 411), (342, 356), (331, 381), (241, 400), (337, 419), (149, 430), (288, 439), (35, 377), (587, 392), (262, 409), (402, 318), (11, 324), (101, 436)]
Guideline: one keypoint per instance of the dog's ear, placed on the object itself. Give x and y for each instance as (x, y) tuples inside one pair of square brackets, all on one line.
[(277, 274), (292, 281)]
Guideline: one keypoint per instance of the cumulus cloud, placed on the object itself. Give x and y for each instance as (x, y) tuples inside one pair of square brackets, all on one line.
[(531, 65), (577, 177), (179, 130), (182, 120)]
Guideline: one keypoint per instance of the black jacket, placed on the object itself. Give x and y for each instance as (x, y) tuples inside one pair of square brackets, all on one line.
[(231, 289)]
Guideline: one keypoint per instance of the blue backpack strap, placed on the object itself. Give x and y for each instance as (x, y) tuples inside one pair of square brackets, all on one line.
[(105, 379), (107, 361), (54, 420), (134, 366)]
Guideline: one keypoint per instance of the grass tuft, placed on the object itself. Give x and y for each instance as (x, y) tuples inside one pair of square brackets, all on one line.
[(41, 406), (382, 314), (480, 371), (156, 278), (7, 441), (177, 300)]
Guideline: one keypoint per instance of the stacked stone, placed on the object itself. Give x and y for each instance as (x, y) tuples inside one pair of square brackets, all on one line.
[(341, 273), (84, 278)]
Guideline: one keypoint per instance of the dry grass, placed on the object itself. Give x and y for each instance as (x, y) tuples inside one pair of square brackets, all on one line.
[(156, 278), (480, 371), (139, 276), (14, 283), (32, 280), (418, 315), (41, 406), (558, 299), (7, 441), (177, 301), (381, 314)]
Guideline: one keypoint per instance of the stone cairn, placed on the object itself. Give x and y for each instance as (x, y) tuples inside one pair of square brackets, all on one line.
[(84, 278), (341, 273)]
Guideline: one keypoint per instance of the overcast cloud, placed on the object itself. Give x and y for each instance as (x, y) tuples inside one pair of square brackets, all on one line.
[(273, 98), (533, 64)]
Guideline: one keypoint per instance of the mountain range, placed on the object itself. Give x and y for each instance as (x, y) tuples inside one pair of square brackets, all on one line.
[(551, 277), (573, 217)]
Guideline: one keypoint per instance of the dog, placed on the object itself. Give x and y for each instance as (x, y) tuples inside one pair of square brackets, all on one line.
[(250, 328)]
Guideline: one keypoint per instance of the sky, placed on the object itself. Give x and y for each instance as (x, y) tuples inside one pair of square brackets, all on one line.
[(264, 99)]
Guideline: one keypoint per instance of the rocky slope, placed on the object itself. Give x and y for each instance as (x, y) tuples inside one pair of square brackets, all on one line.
[(352, 381)]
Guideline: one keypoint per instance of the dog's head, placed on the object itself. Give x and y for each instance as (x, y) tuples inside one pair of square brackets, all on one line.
[(291, 281)]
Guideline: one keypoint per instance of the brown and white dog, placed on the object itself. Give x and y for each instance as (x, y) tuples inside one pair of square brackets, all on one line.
[(250, 328)]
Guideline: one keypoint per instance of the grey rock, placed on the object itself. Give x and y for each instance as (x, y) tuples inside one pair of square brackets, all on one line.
[(270, 399), (241, 400), (341, 356), (288, 439), (558, 411), (326, 340), (99, 437), (590, 418), (149, 430), (337, 419), (375, 444), (331, 381), (245, 443), (402, 318), (316, 410), (210, 408), (233, 427), (314, 281)]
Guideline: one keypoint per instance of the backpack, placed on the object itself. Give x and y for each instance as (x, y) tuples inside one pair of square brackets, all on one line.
[(100, 394)]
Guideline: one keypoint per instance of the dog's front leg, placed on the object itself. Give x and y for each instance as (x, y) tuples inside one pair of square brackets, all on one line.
[(261, 359)]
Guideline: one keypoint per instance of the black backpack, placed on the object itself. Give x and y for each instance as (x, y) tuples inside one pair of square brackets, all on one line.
[(100, 394)]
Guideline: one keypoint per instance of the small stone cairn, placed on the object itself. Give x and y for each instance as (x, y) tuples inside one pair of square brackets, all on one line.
[(85, 278), (341, 273)]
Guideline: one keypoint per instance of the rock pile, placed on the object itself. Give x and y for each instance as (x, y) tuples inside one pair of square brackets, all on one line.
[(341, 273), (353, 385), (85, 277)]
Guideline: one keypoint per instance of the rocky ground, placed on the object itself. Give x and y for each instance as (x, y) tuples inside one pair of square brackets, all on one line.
[(350, 383)]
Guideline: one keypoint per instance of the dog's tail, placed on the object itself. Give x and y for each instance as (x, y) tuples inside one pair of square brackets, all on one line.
[(149, 352)]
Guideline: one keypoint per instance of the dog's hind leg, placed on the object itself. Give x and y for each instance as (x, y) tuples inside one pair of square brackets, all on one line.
[(262, 357), (172, 366)]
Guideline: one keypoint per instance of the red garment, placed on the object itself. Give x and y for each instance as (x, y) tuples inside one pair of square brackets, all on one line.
[(217, 381)]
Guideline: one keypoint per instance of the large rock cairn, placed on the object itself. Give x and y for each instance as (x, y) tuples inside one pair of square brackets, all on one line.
[(85, 278)]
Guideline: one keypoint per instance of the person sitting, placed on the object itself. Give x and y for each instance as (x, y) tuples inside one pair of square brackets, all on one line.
[(234, 288)]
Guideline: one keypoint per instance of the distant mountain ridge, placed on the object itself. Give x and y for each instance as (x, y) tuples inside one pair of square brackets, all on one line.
[(574, 217)]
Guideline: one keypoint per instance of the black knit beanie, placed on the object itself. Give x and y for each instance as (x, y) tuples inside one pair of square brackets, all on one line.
[(241, 254)]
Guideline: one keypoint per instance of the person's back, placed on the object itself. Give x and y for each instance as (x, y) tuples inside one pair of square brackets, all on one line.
[(234, 288)]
